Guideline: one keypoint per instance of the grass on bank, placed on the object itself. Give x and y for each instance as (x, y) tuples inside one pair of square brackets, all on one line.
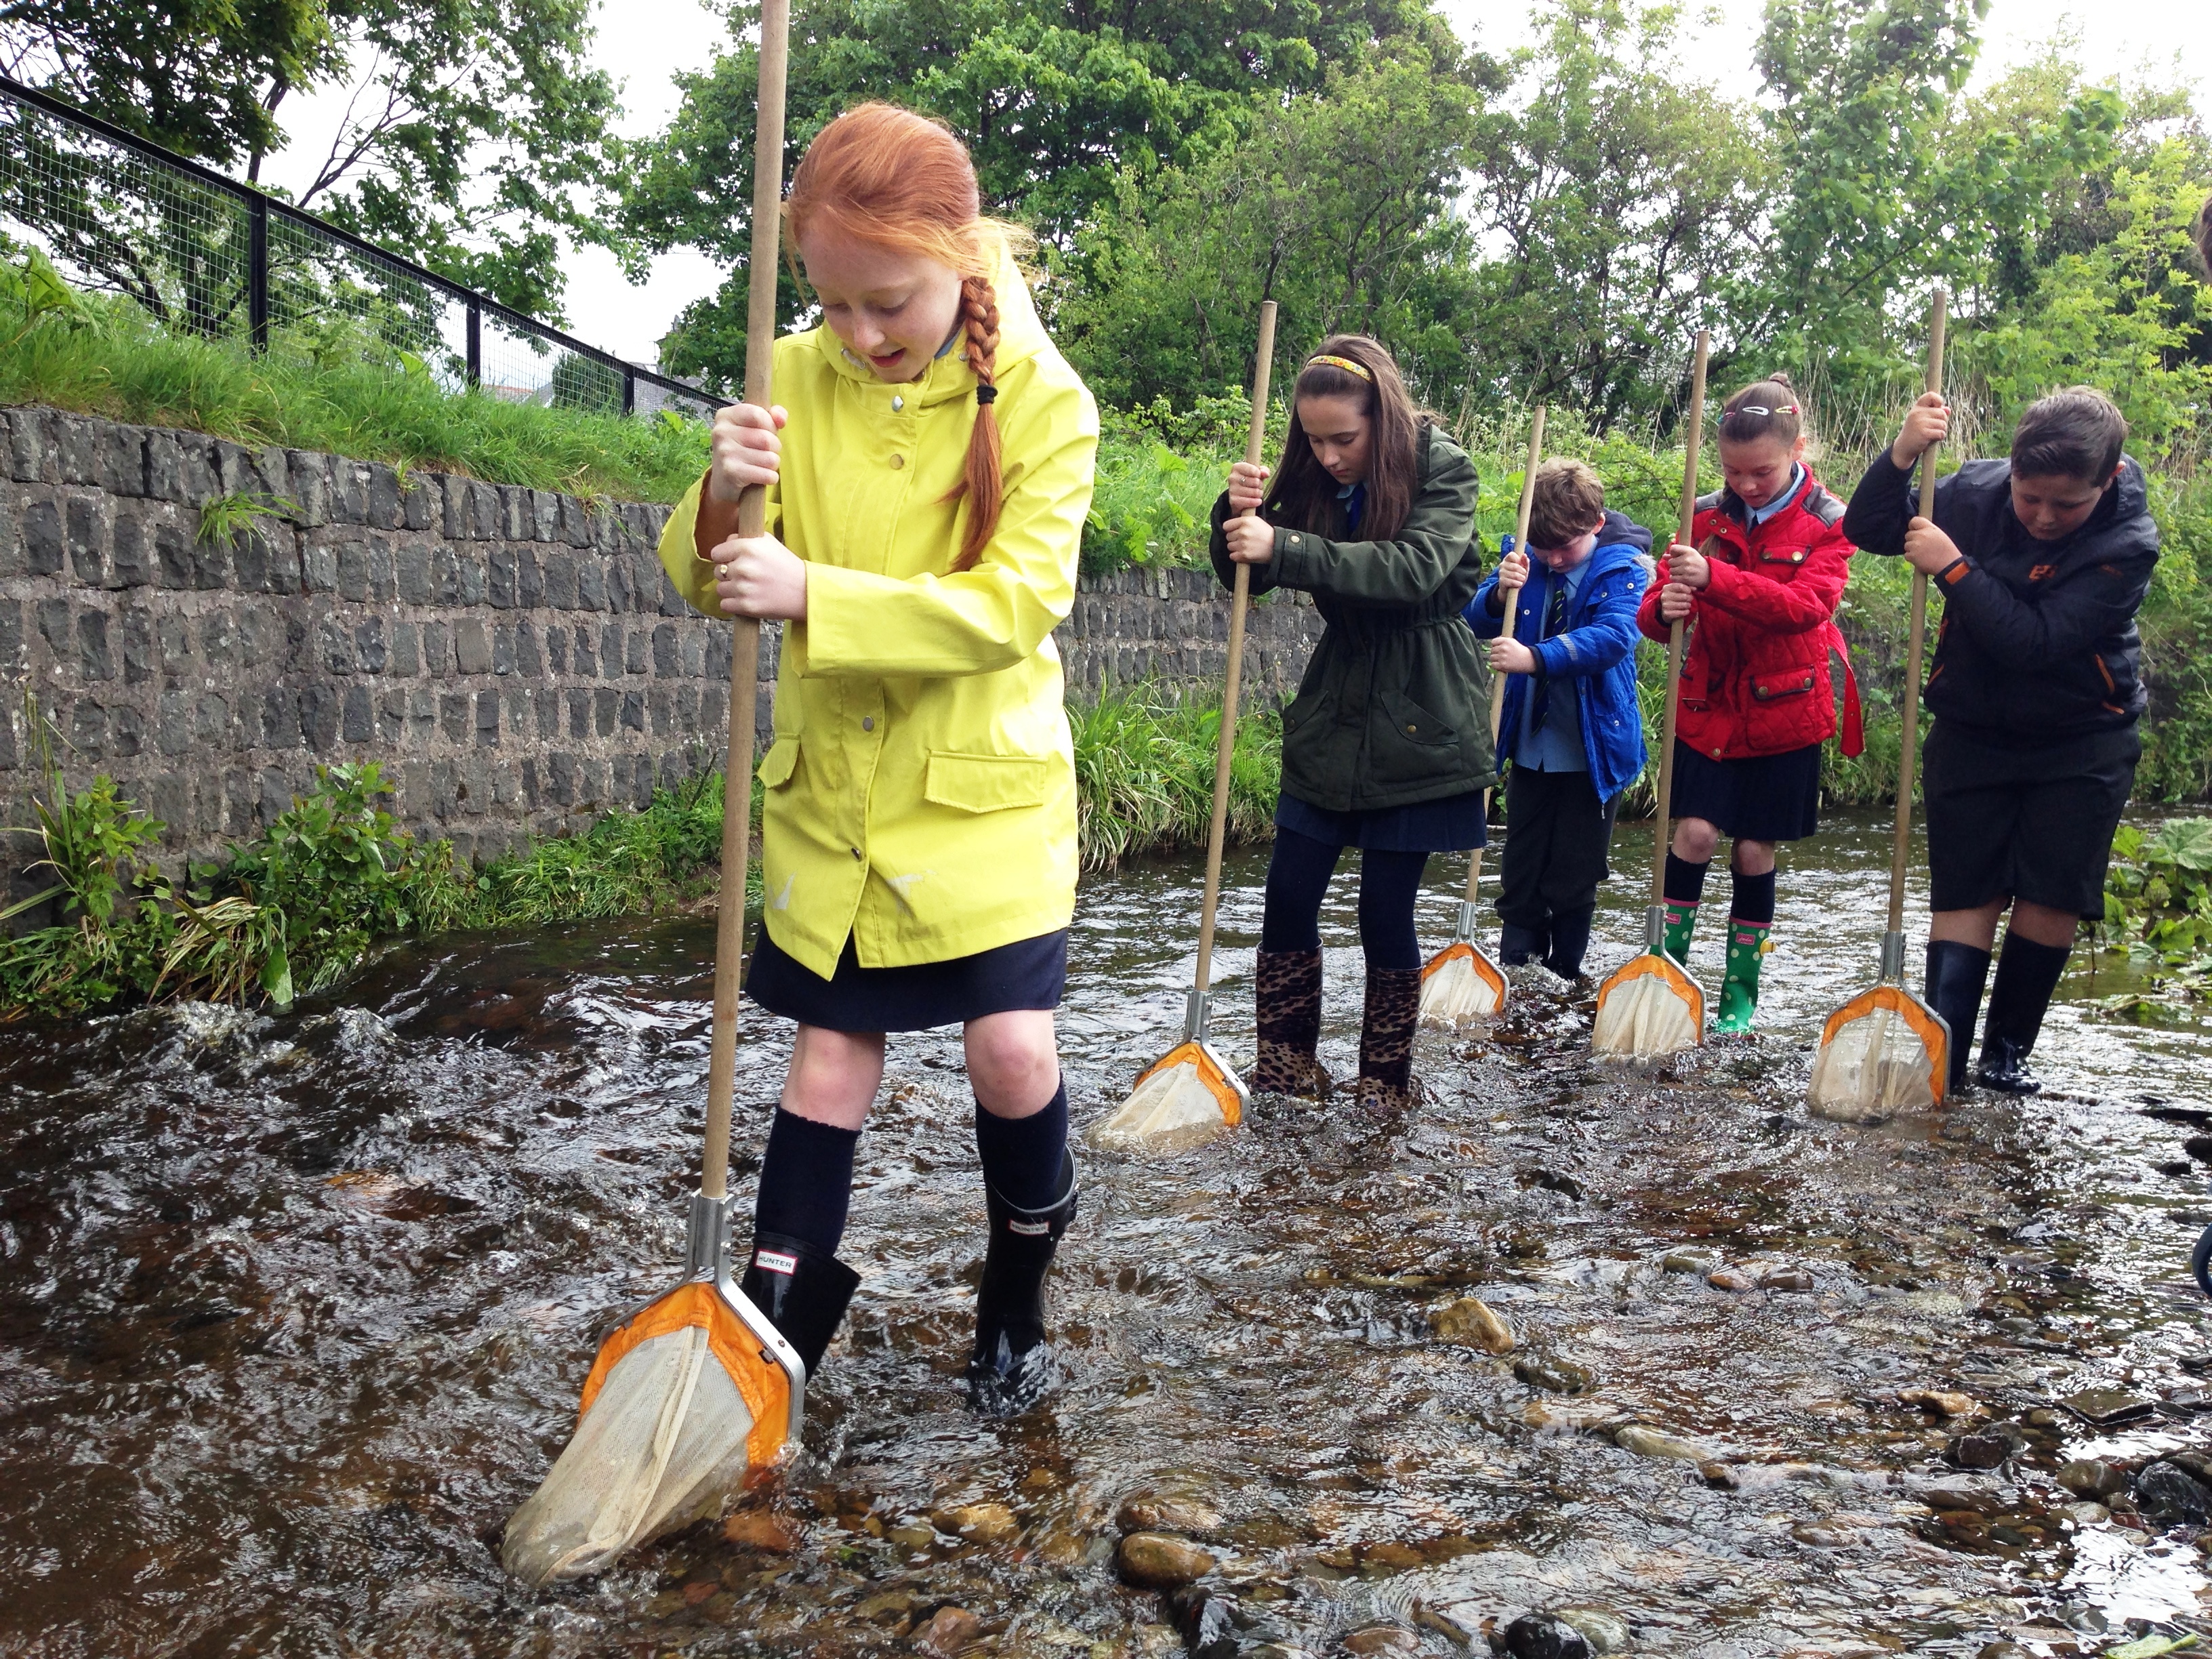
[(292, 912), (333, 387)]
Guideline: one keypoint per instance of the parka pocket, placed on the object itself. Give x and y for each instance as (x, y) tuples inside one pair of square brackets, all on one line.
[(1792, 682), (1415, 724), (1789, 556), (779, 764), (984, 783)]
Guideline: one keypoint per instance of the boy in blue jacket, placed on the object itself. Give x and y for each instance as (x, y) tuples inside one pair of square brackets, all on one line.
[(1572, 723)]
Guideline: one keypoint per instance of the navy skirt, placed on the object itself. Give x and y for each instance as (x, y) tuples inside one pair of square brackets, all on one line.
[(1759, 797), (1454, 824), (1031, 973)]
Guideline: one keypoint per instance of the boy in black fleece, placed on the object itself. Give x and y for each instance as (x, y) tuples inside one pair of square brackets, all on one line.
[(2043, 562)]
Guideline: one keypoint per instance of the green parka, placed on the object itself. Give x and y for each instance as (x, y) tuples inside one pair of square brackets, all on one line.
[(1395, 707)]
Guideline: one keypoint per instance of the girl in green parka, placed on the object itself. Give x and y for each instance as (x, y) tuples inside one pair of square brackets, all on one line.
[(1387, 745)]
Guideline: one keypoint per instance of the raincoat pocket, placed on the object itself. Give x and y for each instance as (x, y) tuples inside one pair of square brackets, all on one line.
[(1791, 683), (985, 783), (779, 764)]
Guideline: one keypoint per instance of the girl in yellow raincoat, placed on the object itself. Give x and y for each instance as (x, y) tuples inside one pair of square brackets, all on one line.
[(928, 473)]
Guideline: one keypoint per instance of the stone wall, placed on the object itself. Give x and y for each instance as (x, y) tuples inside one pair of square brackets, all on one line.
[(516, 659)]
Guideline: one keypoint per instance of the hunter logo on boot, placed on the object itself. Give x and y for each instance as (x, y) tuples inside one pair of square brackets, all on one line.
[(776, 1262), (1028, 1229)]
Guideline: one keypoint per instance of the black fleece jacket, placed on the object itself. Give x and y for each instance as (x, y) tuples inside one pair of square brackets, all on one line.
[(2039, 639)]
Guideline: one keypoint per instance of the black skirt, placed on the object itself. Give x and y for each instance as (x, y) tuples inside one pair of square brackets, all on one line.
[(2024, 821), (1759, 797), (1031, 973), (1454, 824)]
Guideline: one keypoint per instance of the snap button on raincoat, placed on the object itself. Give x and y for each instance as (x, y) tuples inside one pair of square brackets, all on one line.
[(921, 789)]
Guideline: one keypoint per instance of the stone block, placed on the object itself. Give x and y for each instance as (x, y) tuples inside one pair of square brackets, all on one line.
[(437, 649), (175, 558), (444, 577), (139, 657), (353, 571), (131, 548), (484, 511), (406, 649), (348, 496), (333, 646), (499, 588), (606, 709), (586, 665), (44, 548), (562, 588), (368, 646), (580, 713), (420, 503), (502, 649), (621, 589), (556, 650), (469, 578), (383, 486), (26, 445), (591, 583), (94, 660), (357, 721), (472, 647), (199, 481), (126, 732), (173, 723), (660, 711), (219, 640), (411, 572), (637, 649), (453, 716), (87, 729), (529, 578), (544, 516), (633, 711), (515, 518), (527, 662), (667, 659), (610, 650), (307, 483), (318, 715), (318, 563), (575, 521), (123, 459)]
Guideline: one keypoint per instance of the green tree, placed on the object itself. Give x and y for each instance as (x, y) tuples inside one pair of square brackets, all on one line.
[(1059, 100), (1620, 202), (476, 138), (197, 76), (1337, 205)]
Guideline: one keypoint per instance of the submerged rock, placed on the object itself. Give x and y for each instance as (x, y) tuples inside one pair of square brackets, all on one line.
[(1940, 1401), (1470, 1322), (1159, 1560), (1382, 1638), (1150, 1512), (2092, 1477), (949, 1630), (2167, 1495), (1544, 1635), (1647, 1441), (1551, 1373), (1604, 1633), (989, 1524)]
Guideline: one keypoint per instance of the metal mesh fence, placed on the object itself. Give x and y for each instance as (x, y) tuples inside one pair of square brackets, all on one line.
[(202, 254)]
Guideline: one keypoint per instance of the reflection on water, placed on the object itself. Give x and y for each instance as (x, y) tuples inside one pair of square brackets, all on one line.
[(293, 1311)]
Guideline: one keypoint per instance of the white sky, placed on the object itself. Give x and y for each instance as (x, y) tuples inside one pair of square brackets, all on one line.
[(640, 40)]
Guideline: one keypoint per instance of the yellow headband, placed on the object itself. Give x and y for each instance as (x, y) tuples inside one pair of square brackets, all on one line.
[(1346, 365)]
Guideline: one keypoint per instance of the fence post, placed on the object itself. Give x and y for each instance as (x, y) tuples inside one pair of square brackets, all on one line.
[(476, 344), (256, 271), (629, 393)]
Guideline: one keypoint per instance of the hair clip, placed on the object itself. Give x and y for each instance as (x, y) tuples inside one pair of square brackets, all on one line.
[(1346, 364), (1761, 409)]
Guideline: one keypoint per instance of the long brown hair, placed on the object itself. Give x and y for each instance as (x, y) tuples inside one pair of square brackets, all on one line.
[(893, 179), (1303, 496)]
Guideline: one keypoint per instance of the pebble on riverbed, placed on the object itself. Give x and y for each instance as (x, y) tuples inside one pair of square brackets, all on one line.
[(1647, 1441), (1148, 1511), (987, 1524), (1470, 1322), (1544, 1635), (1159, 1560), (1553, 1373)]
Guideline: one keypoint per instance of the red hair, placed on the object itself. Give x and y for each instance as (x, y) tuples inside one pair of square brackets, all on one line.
[(892, 179)]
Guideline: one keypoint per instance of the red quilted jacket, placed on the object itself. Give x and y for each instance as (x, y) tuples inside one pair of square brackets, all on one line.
[(1755, 679)]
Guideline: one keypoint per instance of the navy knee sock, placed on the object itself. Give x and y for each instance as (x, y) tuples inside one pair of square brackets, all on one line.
[(1298, 881), (1753, 900), (1686, 881), (1022, 1154), (1389, 884), (806, 1181)]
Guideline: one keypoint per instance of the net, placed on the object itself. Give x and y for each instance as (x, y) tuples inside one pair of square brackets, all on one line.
[(1460, 986), (680, 1403), (1184, 1101), (1881, 1051)]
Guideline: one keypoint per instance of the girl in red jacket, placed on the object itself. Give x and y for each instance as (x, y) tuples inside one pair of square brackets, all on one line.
[(1760, 592)]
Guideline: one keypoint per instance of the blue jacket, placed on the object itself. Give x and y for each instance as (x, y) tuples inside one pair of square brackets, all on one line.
[(1596, 650)]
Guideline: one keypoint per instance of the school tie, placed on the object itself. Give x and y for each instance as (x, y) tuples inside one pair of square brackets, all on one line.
[(1555, 618)]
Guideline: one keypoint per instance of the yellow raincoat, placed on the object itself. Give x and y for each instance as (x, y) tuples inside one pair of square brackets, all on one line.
[(921, 789)]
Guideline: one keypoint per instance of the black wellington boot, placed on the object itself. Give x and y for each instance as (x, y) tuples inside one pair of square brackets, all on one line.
[(2027, 973), (802, 1292), (1516, 945), (1570, 942), (1956, 975), (1012, 1366)]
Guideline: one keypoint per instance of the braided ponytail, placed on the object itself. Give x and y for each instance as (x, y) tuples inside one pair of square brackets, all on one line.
[(980, 482)]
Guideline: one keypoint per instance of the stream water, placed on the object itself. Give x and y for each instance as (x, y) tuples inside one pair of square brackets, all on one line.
[(294, 1310)]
